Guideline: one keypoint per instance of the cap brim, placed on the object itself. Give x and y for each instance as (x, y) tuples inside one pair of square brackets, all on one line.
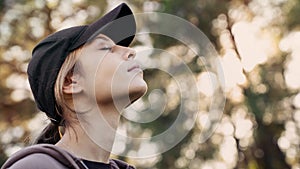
[(119, 25)]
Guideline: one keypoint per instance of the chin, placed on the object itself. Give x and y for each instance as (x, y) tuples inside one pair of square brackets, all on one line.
[(137, 91)]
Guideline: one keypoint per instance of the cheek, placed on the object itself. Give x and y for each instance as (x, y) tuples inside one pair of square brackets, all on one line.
[(112, 81), (109, 76)]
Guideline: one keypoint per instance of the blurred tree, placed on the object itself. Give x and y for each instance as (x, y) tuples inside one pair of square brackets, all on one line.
[(266, 96)]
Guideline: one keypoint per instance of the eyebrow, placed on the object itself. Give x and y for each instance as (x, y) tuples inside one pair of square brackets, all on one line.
[(106, 39), (97, 37), (103, 38)]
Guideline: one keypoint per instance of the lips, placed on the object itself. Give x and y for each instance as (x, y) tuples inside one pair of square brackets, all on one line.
[(134, 67)]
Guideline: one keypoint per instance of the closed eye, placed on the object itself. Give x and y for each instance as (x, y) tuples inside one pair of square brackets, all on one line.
[(106, 48)]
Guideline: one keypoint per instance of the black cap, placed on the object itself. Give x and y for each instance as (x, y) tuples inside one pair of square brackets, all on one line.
[(49, 54)]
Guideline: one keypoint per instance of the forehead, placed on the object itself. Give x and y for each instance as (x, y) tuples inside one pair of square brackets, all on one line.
[(102, 38)]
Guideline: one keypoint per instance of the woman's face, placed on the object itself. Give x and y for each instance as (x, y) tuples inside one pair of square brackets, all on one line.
[(110, 72)]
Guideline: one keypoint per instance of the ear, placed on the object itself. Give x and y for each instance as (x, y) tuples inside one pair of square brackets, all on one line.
[(72, 85)]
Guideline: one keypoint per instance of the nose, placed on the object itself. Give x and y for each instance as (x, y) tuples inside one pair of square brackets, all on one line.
[(126, 52)]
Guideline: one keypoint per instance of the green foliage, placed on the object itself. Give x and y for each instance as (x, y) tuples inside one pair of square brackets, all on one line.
[(293, 11)]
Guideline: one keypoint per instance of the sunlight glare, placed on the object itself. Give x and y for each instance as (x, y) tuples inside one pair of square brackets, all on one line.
[(296, 101), (254, 45), (233, 70), (206, 83)]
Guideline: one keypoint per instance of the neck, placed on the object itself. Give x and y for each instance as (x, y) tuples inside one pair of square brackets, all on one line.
[(93, 136)]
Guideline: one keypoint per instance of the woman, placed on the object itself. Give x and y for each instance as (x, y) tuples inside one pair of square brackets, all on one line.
[(82, 77)]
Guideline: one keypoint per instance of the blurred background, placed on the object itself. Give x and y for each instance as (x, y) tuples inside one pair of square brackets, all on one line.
[(258, 44)]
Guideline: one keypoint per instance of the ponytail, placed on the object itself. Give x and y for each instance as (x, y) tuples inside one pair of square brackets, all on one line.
[(49, 135)]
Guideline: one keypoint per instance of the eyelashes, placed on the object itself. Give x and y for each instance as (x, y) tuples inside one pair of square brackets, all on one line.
[(106, 48)]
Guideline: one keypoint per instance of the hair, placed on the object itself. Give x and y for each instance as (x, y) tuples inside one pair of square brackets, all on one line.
[(51, 134)]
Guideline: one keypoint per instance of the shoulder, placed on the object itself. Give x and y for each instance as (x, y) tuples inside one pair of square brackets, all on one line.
[(42, 156), (36, 161)]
